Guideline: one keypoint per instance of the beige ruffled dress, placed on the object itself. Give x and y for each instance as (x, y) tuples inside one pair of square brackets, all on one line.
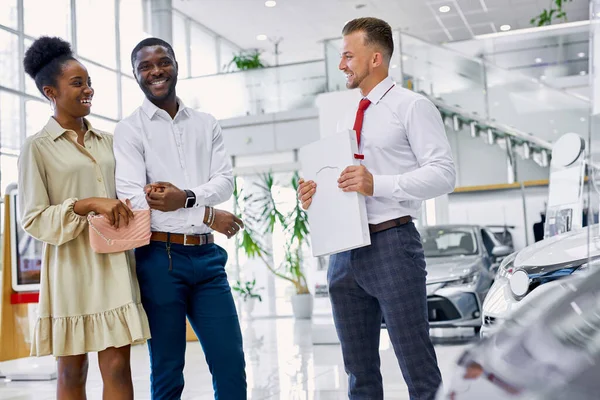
[(88, 301)]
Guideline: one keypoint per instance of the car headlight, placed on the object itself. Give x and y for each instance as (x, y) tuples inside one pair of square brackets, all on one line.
[(470, 279), (506, 266)]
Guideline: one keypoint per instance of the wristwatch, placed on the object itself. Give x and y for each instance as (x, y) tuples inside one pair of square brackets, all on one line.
[(190, 199)]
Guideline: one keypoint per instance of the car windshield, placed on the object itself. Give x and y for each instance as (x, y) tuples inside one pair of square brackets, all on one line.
[(443, 242)]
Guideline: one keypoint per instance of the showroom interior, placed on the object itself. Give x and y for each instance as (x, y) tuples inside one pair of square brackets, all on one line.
[(512, 291)]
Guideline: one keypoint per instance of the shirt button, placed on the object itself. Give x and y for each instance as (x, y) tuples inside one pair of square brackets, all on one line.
[(99, 179)]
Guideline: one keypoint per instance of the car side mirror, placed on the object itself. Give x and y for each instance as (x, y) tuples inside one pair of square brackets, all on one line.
[(501, 251)]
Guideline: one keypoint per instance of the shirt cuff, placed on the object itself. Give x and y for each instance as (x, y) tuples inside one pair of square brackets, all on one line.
[(196, 216), (383, 186)]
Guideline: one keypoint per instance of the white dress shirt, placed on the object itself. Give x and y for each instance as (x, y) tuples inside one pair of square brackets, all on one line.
[(405, 148), (187, 151)]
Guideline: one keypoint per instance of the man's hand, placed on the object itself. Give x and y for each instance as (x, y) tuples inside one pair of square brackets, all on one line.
[(306, 190), (164, 196), (226, 223), (356, 179)]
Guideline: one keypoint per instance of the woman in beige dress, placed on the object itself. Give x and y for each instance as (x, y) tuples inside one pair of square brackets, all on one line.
[(89, 302)]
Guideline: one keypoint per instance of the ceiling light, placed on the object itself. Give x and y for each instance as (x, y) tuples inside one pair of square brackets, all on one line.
[(444, 9), (261, 37), (581, 55), (582, 73), (394, 66), (538, 60), (543, 77), (270, 3), (505, 28)]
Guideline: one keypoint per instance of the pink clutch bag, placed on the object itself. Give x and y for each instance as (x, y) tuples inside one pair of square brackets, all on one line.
[(104, 238)]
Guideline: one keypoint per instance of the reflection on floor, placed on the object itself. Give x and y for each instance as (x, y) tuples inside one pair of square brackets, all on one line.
[(281, 362)]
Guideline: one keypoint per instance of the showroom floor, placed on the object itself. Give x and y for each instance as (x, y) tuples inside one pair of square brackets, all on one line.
[(282, 364)]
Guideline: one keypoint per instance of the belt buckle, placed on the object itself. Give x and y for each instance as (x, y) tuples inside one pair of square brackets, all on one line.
[(185, 237)]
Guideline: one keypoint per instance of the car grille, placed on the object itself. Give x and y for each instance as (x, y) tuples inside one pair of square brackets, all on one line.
[(441, 309), (488, 321)]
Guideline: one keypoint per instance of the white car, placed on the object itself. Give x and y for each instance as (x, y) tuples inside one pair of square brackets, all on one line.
[(535, 270)]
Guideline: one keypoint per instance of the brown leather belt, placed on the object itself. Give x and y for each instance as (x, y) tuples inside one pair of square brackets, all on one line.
[(374, 228), (186, 240)]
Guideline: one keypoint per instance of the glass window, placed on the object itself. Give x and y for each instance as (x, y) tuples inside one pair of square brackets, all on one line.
[(48, 18), (131, 29), (8, 165), (104, 83), (180, 45), (9, 60), (102, 124), (10, 127), (203, 52), (8, 13), (227, 51), (132, 95), (36, 116), (448, 242), (96, 36)]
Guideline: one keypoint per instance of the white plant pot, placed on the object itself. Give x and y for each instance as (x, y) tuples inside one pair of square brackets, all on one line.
[(249, 306), (302, 304)]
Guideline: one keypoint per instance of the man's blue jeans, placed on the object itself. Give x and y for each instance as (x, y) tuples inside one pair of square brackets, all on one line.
[(196, 286)]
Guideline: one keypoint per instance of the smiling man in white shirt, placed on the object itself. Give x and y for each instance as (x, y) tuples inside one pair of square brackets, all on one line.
[(172, 159), (406, 158)]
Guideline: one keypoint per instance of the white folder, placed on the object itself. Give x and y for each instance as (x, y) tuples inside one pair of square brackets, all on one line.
[(337, 219)]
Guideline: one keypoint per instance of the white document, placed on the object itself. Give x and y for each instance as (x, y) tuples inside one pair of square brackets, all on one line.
[(338, 220)]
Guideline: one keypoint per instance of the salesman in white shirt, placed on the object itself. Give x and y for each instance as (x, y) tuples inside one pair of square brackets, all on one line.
[(406, 159), (172, 159)]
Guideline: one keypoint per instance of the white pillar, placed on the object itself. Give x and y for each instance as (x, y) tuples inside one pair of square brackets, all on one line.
[(161, 17)]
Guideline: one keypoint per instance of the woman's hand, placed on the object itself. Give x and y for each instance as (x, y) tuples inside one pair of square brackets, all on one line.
[(115, 211)]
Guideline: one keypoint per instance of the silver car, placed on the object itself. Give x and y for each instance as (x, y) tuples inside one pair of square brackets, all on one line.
[(548, 349), (460, 270)]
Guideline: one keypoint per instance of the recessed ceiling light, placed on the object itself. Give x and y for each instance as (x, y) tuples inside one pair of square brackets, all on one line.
[(261, 37), (444, 9), (538, 60), (505, 28), (582, 119), (582, 73), (543, 77), (581, 55), (270, 3)]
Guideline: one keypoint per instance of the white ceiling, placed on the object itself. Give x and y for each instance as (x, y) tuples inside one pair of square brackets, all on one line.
[(303, 24)]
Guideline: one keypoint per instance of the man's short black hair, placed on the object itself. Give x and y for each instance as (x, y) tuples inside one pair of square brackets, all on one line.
[(152, 41)]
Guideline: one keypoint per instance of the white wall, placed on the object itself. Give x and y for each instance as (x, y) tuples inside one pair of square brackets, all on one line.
[(500, 207)]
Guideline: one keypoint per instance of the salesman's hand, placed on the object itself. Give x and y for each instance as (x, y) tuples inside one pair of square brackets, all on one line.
[(356, 179), (226, 223), (306, 190), (164, 196)]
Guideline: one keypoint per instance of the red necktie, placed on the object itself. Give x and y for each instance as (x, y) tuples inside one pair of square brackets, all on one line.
[(358, 122)]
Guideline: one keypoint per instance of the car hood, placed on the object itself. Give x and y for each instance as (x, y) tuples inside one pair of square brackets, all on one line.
[(559, 251), (443, 269)]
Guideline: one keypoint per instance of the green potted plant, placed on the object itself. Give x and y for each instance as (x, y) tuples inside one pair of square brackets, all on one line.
[(246, 60), (247, 291), (261, 214), (547, 15)]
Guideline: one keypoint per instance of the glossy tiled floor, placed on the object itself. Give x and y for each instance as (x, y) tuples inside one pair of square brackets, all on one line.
[(282, 364)]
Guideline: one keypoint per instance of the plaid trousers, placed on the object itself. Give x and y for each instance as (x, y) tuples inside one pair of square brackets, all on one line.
[(385, 279)]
